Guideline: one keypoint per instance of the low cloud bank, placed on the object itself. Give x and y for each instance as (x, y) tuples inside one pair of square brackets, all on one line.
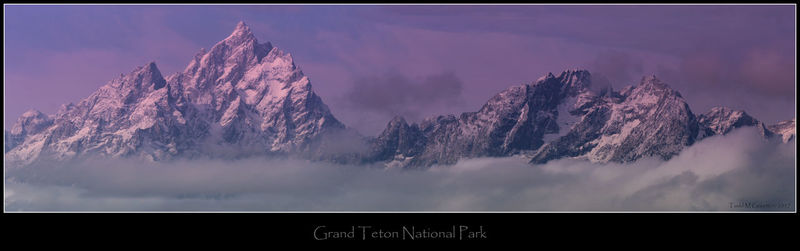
[(739, 171)]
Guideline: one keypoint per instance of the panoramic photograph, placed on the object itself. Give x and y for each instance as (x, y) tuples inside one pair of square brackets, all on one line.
[(399, 108)]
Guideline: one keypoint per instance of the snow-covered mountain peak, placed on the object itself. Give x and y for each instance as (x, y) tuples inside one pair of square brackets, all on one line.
[(242, 98), (547, 76), (575, 81), (143, 78), (238, 98), (31, 121), (241, 25), (241, 33), (234, 60), (727, 112), (649, 119), (722, 120), (242, 38), (571, 81), (651, 90), (650, 78), (787, 129), (242, 43), (574, 71), (280, 58), (651, 82), (32, 113)]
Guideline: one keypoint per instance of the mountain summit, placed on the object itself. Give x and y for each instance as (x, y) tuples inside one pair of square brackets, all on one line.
[(239, 98), (561, 117), (649, 119), (515, 120), (244, 98)]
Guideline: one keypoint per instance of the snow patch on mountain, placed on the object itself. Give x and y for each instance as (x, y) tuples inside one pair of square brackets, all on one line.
[(239, 94), (565, 118), (786, 129), (243, 98)]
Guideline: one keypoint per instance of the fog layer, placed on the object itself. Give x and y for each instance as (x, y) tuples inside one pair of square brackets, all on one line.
[(739, 171)]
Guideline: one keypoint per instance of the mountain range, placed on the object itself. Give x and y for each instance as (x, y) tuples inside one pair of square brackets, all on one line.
[(243, 98)]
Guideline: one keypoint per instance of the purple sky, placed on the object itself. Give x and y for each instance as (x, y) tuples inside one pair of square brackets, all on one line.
[(369, 63)]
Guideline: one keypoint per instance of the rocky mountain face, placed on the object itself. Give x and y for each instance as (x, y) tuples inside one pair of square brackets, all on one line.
[(252, 95), (649, 119), (561, 117), (512, 121), (244, 98), (786, 129), (239, 98), (721, 120), (31, 122)]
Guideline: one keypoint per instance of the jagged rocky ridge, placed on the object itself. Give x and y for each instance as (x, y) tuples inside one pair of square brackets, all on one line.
[(512, 121), (562, 117), (237, 99), (786, 129), (243, 98)]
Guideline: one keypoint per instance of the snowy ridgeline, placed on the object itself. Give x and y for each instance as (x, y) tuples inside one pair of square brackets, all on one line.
[(243, 98)]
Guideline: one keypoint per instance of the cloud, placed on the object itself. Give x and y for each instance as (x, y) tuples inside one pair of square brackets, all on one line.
[(757, 79), (738, 56), (395, 94), (714, 174), (770, 71), (618, 67)]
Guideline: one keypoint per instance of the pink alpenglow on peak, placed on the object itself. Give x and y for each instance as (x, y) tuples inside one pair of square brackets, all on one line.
[(244, 98), (239, 98)]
